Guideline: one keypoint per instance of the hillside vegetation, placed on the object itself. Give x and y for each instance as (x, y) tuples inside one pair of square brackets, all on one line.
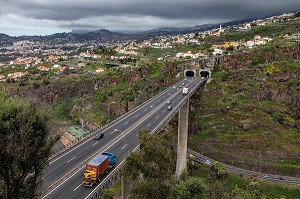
[(249, 115)]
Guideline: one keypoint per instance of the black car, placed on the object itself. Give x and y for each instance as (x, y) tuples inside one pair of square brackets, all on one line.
[(98, 136)]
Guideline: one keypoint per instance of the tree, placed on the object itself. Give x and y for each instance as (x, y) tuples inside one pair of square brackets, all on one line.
[(24, 146), (219, 170), (108, 194), (217, 191), (156, 163), (253, 191), (192, 188)]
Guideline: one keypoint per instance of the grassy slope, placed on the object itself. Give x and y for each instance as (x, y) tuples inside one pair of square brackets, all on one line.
[(236, 127)]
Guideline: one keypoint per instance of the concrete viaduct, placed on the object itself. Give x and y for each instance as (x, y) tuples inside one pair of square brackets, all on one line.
[(181, 164)]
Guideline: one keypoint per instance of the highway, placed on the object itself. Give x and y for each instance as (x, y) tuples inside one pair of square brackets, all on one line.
[(120, 138), (63, 176)]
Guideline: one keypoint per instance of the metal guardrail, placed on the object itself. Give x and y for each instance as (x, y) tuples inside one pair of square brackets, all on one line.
[(112, 178), (101, 128), (69, 174), (79, 166), (177, 108), (98, 191)]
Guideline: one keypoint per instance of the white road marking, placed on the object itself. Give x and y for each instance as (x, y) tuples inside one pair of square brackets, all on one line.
[(76, 187), (137, 115), (124, 146), (62, 183), (157, 117), (126, 123), (164, 111), (145, 110), (148, 125), (95, 144), (71, 159)]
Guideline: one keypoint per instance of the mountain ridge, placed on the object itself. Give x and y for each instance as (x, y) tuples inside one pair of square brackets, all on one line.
[(104, 35)]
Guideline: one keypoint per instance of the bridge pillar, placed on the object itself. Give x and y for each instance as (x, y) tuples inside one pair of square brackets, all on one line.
[(182, 139), (126, 187)]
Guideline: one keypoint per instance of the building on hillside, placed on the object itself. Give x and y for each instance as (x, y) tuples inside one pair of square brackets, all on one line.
[(17, 75), (246, 27), (43, 68), (99, 70), (256, 37), (2, 77), (250, 44), (217, 51), (95, 56), (259, 41), (56, 66)]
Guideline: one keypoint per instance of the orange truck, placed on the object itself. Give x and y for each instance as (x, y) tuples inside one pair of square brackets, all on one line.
[(97, 168)]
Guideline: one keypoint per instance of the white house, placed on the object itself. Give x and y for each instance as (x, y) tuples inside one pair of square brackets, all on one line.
[(256, 37), (56, 66), (217, 51), (259, 41), (250, 44), (99, 70), (179, 55)]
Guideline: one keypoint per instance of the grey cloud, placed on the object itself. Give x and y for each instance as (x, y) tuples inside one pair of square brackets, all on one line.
[(133, 14), (168, 9)]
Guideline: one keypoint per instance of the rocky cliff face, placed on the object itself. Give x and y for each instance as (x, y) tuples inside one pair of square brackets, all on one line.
[(87, 89), (57, 91)]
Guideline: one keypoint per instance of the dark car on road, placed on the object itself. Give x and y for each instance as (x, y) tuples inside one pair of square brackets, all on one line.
[(98, 136)]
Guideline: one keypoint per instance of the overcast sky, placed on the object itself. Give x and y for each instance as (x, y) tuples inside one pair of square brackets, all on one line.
[(40, 17)]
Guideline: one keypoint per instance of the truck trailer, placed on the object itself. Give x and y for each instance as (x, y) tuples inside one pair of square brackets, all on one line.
[(97, 168), (185, 91)]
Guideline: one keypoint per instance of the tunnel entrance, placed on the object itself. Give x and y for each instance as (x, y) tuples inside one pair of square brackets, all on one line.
[(204, 73), (190, 73)]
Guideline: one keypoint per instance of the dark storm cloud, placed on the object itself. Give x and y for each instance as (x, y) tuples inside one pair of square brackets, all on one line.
[(69, 10), (50, 16)]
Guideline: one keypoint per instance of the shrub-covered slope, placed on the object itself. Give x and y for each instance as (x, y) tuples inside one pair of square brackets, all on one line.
[(249, 115)]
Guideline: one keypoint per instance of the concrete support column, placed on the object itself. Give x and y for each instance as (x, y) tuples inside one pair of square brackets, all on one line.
[(126, 187), (182, 139)]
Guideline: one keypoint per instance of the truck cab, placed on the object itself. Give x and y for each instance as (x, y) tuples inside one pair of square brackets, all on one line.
[(111, 157)]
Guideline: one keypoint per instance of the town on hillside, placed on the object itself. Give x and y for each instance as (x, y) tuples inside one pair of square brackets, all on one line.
[(25, 59)]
